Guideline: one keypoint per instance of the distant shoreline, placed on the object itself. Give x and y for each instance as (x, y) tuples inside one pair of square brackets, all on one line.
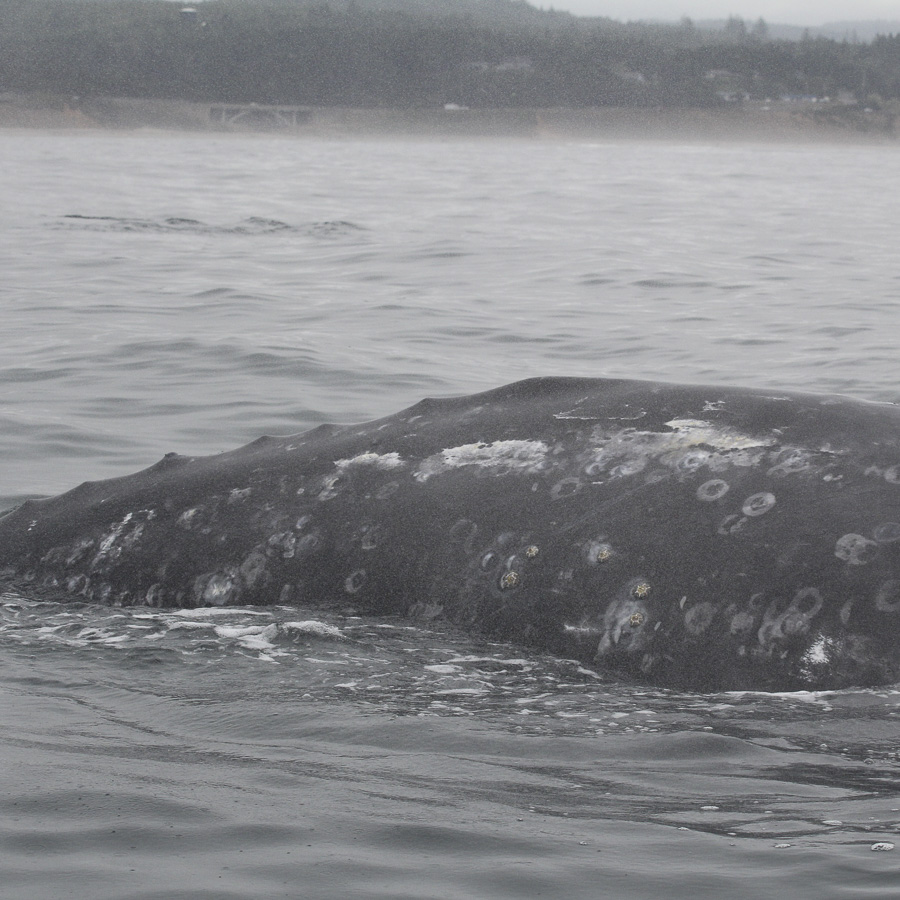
[(777, 121)]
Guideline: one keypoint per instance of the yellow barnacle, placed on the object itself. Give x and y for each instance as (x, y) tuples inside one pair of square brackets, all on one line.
[(603, 554), (509, 580), (636, 620), (532, 551), (641, 589)]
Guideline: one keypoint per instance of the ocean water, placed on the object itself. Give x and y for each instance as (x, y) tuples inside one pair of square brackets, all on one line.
[(176, 292)]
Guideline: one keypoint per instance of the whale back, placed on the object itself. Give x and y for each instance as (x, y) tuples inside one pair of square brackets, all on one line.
[(689, 536)]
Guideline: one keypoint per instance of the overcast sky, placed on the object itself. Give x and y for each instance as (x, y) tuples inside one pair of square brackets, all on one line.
[(786, 12)]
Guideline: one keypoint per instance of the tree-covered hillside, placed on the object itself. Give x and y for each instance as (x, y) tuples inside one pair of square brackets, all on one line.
[(378, 54)]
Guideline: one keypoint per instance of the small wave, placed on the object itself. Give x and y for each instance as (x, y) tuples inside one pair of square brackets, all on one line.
[(592, 279), (173, 224), (408, 670), (672, 283), (334, 228), (257, 225), (253, 225)]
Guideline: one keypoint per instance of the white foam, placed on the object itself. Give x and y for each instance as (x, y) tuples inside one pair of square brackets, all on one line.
[(252, 637), (489, 659), (209, 611), (460, 691), (315, 628)]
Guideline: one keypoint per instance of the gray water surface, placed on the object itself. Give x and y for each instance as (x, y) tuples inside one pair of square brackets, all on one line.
[(189, 293)]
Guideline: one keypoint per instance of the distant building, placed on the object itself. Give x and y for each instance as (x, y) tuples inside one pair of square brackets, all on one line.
[(514, 64)]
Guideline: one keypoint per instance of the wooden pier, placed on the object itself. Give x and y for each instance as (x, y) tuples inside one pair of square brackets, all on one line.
[(259, 115)]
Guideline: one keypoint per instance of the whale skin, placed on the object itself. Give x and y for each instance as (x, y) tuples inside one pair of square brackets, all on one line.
[(691, 537)]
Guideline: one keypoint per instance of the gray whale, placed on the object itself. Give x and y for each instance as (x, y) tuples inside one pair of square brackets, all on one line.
[(705, 538)]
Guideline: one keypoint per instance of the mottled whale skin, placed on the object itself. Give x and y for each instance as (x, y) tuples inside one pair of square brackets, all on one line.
[(693, 537)]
